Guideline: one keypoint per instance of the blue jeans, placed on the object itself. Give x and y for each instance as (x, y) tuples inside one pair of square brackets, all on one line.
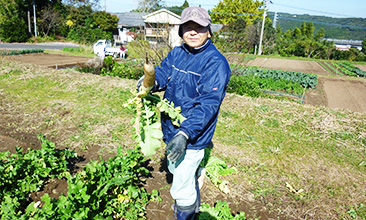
[(183, 188)]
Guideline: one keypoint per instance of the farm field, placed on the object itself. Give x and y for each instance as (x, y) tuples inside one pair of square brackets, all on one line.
[(99, 134), (50, 60), (335, 92), (329, 93)]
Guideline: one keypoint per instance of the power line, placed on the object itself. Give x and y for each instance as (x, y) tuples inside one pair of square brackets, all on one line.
[(305, 9), (324, 23), (280, 17)]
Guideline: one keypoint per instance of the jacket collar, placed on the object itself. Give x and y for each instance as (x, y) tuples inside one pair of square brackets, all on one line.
[(197, 49)]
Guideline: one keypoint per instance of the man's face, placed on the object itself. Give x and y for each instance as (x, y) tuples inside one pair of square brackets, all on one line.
[(194, 34)]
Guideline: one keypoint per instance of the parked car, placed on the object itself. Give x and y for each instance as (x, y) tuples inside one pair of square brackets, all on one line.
[(104, 48)]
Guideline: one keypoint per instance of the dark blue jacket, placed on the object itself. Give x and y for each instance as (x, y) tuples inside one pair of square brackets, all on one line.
[(196, 81)]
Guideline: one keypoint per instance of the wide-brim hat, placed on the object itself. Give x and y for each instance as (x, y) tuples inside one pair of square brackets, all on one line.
[(196, 14)]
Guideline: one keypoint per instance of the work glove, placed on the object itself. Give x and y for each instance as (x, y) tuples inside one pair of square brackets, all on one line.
[(139, 83), (177, 146)]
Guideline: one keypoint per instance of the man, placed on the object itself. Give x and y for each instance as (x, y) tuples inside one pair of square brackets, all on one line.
[(123, 52), (194, 77)]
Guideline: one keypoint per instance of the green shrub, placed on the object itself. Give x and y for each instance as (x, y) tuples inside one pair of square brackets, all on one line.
[(244, 85), (127, 70), (87, 35)]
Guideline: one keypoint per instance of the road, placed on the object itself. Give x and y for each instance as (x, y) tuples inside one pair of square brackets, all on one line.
[(45, 46)]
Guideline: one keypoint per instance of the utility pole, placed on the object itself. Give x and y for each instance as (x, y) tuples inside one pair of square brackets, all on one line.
[(264, 18), (275, 20), (29, 22), (35, 20)]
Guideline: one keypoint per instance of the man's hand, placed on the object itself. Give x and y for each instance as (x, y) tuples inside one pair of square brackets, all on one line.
[(177, 146)]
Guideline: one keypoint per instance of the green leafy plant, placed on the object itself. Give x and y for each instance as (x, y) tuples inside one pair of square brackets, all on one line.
[(333, 69), (215, 168), (352, 70), (24, 173), (220, 211), (305, 79), (19, 52), (146, 121), (102, 190)]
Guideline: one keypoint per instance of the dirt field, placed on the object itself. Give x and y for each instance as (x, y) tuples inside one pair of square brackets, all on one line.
[(293, 65), (50, 60), (344, 93), (341, 92)]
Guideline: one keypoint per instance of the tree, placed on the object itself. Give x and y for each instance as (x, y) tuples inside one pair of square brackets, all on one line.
[(297, 33), (148, 6), (105, 21), (309, 30), (228, 11), (50, 19), (320, 34), (78, 15), (303, 28), (178, 9), (12, 22), (79, 3), (237, 32), (364, 46)]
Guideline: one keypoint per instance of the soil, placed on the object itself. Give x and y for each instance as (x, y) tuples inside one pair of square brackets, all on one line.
[(332, 91), (50, 60), (340, 92)]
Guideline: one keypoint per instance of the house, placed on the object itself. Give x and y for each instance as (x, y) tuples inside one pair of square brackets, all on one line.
[(129, 24), (161, 27), (342, 44)]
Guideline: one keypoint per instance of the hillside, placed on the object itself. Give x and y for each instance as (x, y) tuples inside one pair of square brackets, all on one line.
[(335, 28)]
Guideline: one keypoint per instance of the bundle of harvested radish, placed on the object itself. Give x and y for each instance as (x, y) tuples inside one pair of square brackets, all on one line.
[(147, 108)]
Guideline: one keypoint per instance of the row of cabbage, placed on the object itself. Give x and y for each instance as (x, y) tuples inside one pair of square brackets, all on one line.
[(342, 68), (306, 80), (20, 52), (254, 81), (349, 69)]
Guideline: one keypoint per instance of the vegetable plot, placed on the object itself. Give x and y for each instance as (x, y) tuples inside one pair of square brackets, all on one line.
[(103, 190), (305, 79), (256, 81), (19, 52), (342, 68)]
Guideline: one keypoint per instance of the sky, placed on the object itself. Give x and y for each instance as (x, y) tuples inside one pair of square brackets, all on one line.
[(330, 8)]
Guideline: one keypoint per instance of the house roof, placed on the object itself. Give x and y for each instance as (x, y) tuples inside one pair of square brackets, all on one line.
[(216, 27), (162, 16), (131, 19), (138, 19)]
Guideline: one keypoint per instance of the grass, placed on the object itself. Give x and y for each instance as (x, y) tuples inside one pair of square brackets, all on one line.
[(299, 160), (60, 102), (84, 51), (315, 149)]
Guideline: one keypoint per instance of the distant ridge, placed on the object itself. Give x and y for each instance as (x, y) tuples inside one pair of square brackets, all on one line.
[(336, 28)]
